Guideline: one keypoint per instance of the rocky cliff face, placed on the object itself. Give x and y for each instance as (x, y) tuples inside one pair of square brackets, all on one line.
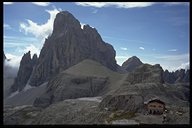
[(65, 86), (146, 74), (131, 63), (24, 73), (68, 45), (179, 76), (187, 77), (4, 57), (34, 59), (130, 103)]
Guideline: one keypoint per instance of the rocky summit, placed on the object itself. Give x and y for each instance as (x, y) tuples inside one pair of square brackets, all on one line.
[(178, 76), (131, 63), (24, 73), (69, 44)]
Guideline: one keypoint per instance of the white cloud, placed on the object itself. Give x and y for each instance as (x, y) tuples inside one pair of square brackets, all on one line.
[(172, 62), (40, 31), (123, 48), (7, 3), (176, 3), (41, 3), (184, 66), (14, 60), (11, 65), (141, 48), (82, 25), (9, 72), (19, 42), (6, 26), (127, 4), (172, 50), (180, 57), (33, 50), (169, 62), (116, 4), (174, 67), (121, 59)]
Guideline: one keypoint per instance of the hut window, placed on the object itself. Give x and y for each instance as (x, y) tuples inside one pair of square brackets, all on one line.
[(152, 105)]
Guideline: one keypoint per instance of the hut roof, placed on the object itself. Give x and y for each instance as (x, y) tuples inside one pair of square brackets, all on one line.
[(157, 100), (154, 100)]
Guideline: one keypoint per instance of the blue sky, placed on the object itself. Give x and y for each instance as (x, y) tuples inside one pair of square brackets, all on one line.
[(154, 32)]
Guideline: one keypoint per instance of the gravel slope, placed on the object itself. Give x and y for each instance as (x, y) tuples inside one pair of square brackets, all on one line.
[(25, 97)]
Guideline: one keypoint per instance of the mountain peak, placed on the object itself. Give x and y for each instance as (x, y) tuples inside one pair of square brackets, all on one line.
[(131, 63), (178, 76), (134, 58), (65, 21)]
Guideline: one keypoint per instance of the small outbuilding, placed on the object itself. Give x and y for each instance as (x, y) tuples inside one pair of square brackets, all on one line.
[(155, 106)]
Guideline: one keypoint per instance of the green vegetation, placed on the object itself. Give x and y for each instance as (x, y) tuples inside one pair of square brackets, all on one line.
[(119, 116)]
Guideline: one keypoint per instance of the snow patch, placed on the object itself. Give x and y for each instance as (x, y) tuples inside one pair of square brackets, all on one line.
[(13, 94), (124, 121), (20, 107), (97, 99), (43, 84), (82, 26), (27, 87)]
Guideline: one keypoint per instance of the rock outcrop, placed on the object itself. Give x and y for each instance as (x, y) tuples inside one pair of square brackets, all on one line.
[(4, 57), (24, 73), (69, 44), (187, 77), (65, 86), (34, 59), (179, 76), (129, 102), (131, 63), (146, 74)]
